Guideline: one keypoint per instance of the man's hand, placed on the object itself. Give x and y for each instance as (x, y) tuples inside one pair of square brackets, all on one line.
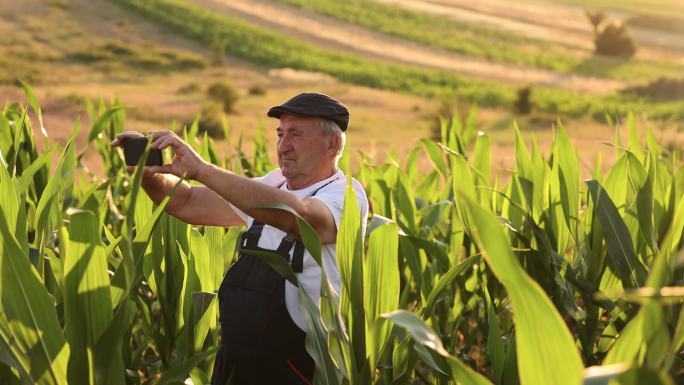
[(186, 162)]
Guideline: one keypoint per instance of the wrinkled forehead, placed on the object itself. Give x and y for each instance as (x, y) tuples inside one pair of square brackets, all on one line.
[(291, 121)]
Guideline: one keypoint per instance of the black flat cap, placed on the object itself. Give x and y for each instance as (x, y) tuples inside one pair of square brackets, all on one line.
[(315, 105)]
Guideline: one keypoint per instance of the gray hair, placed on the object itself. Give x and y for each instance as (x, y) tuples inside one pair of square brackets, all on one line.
[(328, 127)]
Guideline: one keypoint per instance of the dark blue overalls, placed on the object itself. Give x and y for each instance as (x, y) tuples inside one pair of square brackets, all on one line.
[(260, 344)]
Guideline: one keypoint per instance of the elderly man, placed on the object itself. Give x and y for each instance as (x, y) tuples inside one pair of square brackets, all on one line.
[(263, 327)]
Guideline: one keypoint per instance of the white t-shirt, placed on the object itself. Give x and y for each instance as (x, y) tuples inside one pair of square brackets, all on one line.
[(332, 196)]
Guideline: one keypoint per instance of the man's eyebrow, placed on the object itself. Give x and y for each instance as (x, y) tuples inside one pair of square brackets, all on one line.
[(293, 128)]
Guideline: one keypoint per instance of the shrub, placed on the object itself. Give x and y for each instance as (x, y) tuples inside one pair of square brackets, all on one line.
[(224, 93), (523, 102), (613, 39), (257, 90), (211, 120)]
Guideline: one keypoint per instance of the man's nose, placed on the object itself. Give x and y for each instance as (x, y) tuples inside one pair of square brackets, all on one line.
[(284, 145)]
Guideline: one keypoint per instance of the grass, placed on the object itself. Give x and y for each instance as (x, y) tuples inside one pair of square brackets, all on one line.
[(272, 50), (473, 40)]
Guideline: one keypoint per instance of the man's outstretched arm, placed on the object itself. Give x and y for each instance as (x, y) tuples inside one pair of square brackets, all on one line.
[(244, 193), (198, 205)]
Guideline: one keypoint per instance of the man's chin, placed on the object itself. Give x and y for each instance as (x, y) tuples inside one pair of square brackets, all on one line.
[(286, 171)]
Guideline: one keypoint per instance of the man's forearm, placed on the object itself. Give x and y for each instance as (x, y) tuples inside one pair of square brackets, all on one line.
[(245, 194), (158, 187)]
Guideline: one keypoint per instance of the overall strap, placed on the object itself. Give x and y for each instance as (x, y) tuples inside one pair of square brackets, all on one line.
[(298, 253)]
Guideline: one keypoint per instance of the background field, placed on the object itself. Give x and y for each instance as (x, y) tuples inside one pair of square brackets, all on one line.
[(71, 50)]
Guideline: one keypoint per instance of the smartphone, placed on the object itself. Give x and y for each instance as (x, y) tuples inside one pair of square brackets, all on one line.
[(133, 149)]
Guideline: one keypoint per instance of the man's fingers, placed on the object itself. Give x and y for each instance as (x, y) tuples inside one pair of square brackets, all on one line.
[(167, 141), (125, 135), (160, 134), (160, 142)]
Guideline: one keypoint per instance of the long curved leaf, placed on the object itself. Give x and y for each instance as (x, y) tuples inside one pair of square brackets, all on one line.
[(36, 338), (546, 350)]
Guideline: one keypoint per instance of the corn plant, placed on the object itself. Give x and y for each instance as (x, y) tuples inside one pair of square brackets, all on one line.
[(460, 276)]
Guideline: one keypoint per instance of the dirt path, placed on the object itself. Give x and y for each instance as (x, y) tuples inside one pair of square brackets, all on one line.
[(330, 33), (565, 24)]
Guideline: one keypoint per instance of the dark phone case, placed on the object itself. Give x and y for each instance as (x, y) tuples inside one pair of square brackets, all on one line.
[(133, 149)]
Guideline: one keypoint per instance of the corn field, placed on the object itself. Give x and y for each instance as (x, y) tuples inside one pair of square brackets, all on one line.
[(462, 276)]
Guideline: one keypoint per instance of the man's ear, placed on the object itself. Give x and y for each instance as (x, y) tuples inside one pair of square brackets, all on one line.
[(334, 143)]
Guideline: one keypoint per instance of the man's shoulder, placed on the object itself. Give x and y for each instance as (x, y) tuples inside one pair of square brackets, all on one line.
[(339, 187)]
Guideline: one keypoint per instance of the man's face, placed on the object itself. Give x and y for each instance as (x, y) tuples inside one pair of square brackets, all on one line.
[(304, 153)]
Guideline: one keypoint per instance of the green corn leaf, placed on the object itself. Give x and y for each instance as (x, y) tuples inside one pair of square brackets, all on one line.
[(401, 357), (541, 359), (435, 156), (87, 301), (102, 121), (445, 280), (634, 140), (381, 287), (201, 261), (181, 371), (213, 236), (42, 163), (624, 375), (108, 353), (566, 165), (13, 206), (48, 210), (482, 155), (417, 328), (10, 356), (426, 337), (427, 357), (130, 270), (18, 138), (618, 241), (32, 330), (495, 347), (35, 105), (645, 213), (470, 123), (602, 375), (631, 344), (405, 199), (465, 375), (316, 343), (205, 309), (350, 263)]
